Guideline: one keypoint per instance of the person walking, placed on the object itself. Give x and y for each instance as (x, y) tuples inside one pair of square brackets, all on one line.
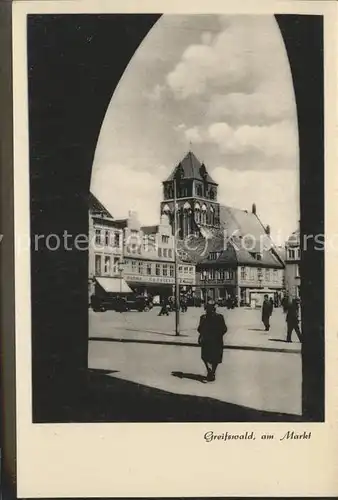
[(266, 312), (292, 321), (165, 307), (285, 304), (211, 330)]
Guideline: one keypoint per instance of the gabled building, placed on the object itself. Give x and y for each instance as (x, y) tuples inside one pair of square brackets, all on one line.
[(148, 263), (232, 249), (105, 252)]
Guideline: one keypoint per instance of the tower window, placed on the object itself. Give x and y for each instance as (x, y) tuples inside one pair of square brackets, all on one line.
[(199, 190)]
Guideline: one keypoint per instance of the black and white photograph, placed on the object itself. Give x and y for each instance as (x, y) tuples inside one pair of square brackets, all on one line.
[(173, 221), (172, 161)]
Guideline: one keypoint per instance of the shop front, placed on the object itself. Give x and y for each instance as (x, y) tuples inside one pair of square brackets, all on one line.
[(158, 286)]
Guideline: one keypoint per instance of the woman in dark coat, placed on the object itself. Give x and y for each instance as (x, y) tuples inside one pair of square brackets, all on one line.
[(266, 312), (211, 330)]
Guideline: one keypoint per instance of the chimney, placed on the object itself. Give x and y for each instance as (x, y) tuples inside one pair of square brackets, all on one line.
[(268, 230), (254, 208)]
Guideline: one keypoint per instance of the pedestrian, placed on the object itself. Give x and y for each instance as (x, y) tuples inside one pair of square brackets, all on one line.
[(285, 303), (266, 313), (165, 307), (271, 304), (183, 303), (211, 330), (292, 321)]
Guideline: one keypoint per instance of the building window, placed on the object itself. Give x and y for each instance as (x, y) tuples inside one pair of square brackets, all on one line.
[(165, 239), (267, 274), (191, 270), (275, 275), (291, 253), (160, 252), (158, 270), (179, 269), (140, 267), (133, 266), (106, 238), (243, 273), (259, 272), (107, 265), (186, 269), (149, 269), (171, 270), (98, 265), (165, 270), (117, 240), (97, 236), (199, 190), (170, 253), (252, 274), (165, 252), (116, 265)]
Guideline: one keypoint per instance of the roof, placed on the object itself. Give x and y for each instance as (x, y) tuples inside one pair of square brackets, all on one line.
[(249, 237), (149, 229), (96, 207), (239, 239), (121, 223), (192, 169)]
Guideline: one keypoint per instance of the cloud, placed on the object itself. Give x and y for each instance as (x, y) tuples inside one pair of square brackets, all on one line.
[(278, 141), (156, 93), (180, 127), (255, 108), (275, 193), (238, 58), (193, 135), (137, 190)]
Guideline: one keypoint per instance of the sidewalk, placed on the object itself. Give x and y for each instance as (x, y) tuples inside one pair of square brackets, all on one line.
[(150, 328)]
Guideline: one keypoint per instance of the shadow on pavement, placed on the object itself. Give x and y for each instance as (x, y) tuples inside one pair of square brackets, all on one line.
[(192, 344), (110, 399), (152, 331), (190, 376)]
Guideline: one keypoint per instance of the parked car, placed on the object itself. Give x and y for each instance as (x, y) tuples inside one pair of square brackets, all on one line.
[(120, 304)]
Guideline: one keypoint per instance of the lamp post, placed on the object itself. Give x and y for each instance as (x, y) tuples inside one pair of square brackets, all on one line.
[(120, 269), (177, 285), (204, 279)]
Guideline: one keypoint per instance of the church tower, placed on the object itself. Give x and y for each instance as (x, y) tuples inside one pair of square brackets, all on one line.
[(196, 195)]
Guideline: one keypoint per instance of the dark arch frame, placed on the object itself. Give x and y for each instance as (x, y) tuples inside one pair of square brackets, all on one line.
[(71, 79)]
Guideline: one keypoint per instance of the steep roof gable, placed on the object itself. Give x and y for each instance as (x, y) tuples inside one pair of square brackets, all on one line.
[(192, 168), (97, 208)]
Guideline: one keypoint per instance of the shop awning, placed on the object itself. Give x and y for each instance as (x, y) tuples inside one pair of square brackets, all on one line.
[(114, 285)]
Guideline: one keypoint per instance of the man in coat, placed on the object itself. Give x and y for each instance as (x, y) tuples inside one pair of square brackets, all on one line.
[(266, 312), (211, 330), (292, 321)]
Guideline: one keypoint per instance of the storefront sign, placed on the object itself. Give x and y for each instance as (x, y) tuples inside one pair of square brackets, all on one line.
[(157, 279)]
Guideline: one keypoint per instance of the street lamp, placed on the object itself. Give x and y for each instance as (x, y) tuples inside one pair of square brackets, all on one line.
[(120, 269), (177, 177), (204, 279)]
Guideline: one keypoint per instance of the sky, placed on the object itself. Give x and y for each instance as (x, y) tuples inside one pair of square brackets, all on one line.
[(220, 86)]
